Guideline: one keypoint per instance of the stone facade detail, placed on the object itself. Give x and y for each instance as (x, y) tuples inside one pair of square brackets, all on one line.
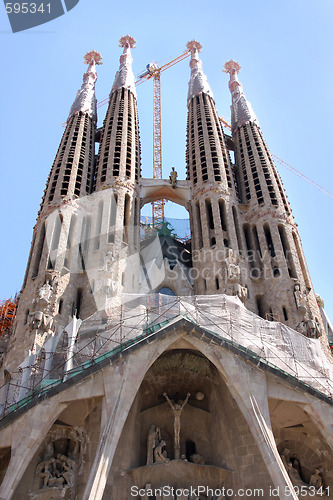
[(161, 362)]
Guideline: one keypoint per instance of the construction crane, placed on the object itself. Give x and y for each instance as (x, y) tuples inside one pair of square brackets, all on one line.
[(286, 165), (154, 71)]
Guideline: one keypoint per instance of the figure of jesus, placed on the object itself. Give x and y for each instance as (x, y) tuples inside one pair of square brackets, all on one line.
[(177, 411)]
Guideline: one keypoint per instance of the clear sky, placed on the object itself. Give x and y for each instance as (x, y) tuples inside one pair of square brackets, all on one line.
[(284, 48)]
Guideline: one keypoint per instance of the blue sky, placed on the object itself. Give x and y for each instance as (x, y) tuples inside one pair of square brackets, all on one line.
[(284, 48)]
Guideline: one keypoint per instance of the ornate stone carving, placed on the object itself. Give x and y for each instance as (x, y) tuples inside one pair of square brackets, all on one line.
[(40, 321), (58, 472), (310, 328), (294, 471), (55, 475), (181, 361)]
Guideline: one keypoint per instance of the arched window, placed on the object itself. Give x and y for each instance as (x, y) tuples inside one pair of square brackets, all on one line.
[(166, 291)]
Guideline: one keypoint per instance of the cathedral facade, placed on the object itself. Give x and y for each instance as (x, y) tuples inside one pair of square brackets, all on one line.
[(145, 366)]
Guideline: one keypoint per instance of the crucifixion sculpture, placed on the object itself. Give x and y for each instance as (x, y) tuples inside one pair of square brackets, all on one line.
[(177, 411)]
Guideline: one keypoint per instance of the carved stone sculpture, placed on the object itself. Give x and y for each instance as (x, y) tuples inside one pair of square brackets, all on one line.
[(300, 300), (312, 328), (45, 293), (160, 453), (240, 291), (154, 437), (233, 270), (173, 178), (57, 472), (40, 321), (294, 476), (109, 261), (177, 411), (285, 456), (316, 480), (197, 459)]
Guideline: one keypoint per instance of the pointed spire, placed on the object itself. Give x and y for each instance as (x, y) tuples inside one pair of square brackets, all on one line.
[(241, 109), (198, 82), (124, 76), (85, 100)]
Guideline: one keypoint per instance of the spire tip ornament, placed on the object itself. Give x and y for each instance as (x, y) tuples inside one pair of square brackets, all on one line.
[(194, 44), (198, 81), (124, 76), (93, 56), (232, 67), (241, 109), (127, 40)]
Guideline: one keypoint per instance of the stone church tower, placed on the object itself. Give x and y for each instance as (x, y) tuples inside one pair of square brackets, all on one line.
[(144, 366)]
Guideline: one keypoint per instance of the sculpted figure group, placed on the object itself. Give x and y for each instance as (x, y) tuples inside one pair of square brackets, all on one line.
[(293, 469), (58, 472), (156, 452)]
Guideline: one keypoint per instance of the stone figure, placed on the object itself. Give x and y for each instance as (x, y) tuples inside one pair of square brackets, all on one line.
[(109, 261), (316, 480), (197, 459), (173, 177), (285, 457), (301, 327), (312, 329), (40, 321), (293, 468), (300, 299), (45, 474), (240, 291), (110, 287), (177, 411), (160, 453), (36, 320), (233, 270), (45, 293), (296, 465), (294, 476), (68, 469), (154, 437)]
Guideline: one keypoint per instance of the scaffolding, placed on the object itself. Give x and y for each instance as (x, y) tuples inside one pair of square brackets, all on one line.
[(7, 314), (83, 348)]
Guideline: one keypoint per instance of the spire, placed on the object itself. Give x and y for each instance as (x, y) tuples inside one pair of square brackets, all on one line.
[(124, 76), (241, 109), (85, 100), (198, 82)]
